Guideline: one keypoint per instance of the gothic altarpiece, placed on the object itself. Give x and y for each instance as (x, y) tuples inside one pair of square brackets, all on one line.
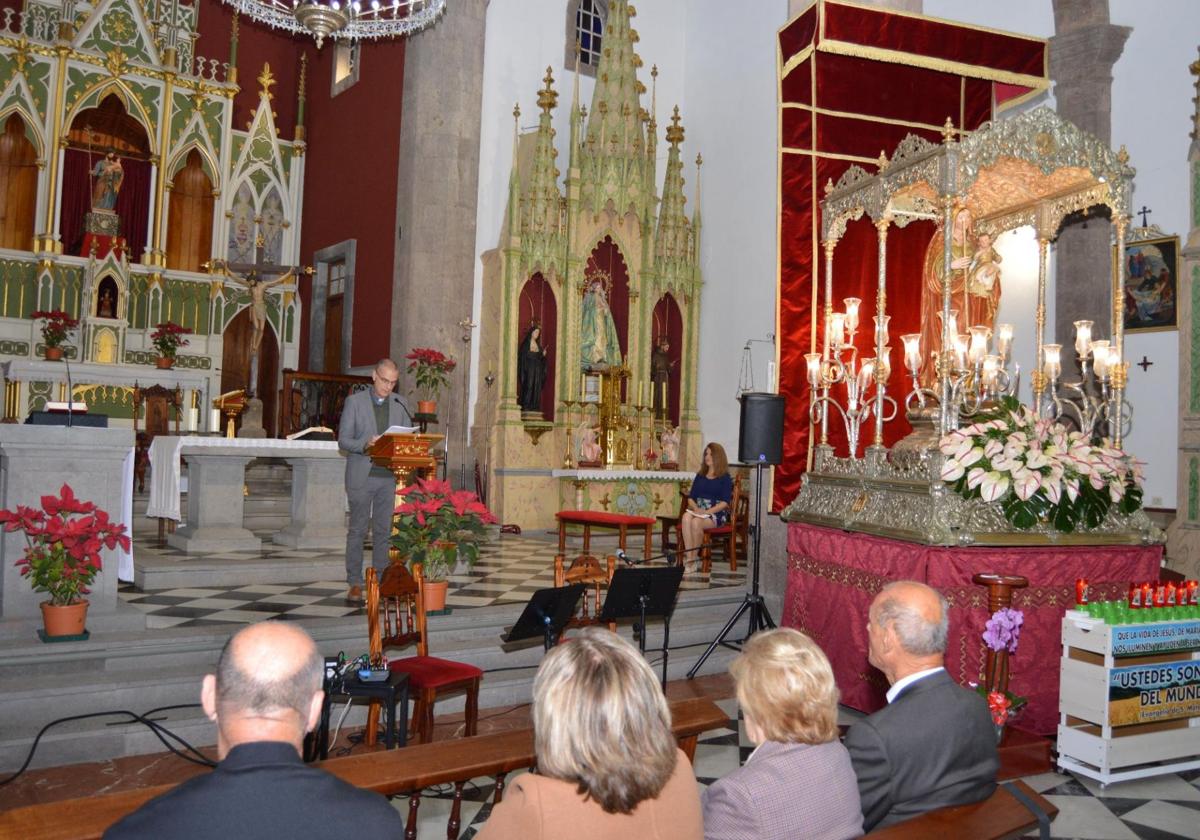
[(136, 180), (596, 274)]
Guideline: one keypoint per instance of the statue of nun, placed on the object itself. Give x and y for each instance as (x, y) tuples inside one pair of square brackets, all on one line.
[(531, 370)]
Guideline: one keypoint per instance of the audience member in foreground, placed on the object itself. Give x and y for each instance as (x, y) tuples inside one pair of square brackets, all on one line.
[(798, 782), (933, 745), (265, 695), (607, 763)]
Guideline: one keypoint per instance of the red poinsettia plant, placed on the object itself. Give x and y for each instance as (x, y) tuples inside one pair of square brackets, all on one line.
[(63, 542), (434, 525), (430, 369), (168, 337), (56, 325)]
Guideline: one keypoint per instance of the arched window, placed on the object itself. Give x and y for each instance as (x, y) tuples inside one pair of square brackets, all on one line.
[(586, 22)]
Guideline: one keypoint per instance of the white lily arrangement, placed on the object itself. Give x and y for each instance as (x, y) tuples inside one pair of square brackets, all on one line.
[(1038, 470)]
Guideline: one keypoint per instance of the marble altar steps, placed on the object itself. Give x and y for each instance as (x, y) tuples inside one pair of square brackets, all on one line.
[(139, 672)]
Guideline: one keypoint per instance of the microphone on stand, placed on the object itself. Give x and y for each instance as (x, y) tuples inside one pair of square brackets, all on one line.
[(70, 393)]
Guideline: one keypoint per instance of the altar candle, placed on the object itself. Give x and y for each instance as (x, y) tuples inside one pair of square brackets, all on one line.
[(991, 364), (193, 419), (837, 329), (852, 305), (664, 397), (979, 344), (960, 350), (214, 421), (865, 376), (1051, 360), (1004, 337), (582, 385), (1083, 338), (813, 361), (912, 351), (1099, 350)]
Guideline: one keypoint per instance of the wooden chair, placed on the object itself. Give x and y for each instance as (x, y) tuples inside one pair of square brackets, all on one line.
[(732, 536), (396, 619), (672, 525), (586, 569)]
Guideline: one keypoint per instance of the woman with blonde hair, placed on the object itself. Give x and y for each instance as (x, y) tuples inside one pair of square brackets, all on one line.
[(708, 502), (798, 782), (607, 762)]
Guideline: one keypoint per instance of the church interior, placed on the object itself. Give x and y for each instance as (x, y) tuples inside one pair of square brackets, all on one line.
[(921, 277)]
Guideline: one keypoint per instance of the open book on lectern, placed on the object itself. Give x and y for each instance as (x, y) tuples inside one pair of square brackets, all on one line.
[(401, 430)]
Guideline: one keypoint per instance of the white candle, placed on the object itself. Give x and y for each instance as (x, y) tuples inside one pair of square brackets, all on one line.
[(979, 344), (1004, 337), (852, 305), (1052, 364), (813, 361), (215, 421), (837, 329), (912, 351), (866, 375), (193, 422), (1083, 338), (1100, 352)]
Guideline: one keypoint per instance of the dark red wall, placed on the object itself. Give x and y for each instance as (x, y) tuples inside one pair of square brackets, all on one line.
[(351, 161), (351, 171)]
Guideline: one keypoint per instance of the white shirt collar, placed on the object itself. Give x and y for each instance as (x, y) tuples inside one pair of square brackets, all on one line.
[(904, 682)]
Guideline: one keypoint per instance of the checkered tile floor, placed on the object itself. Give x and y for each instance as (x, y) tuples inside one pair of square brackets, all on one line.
[(510, 569), (1162, 808)]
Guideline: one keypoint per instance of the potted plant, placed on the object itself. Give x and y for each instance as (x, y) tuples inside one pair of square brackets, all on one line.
[(56, 325), (431, 371), (62, 554), (437, 527), (167, 338)]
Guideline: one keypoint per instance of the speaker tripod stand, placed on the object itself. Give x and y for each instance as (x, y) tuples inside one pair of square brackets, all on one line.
[(753, 603)]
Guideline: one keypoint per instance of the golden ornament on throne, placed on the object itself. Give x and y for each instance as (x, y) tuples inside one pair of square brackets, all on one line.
[(974, 287)]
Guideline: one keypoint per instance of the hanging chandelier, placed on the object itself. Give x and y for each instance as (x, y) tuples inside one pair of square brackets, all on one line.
[(343, 19)]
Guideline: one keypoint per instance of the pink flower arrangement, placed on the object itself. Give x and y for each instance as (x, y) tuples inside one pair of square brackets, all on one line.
[(434, 524), (63, 543), (1038, 471)]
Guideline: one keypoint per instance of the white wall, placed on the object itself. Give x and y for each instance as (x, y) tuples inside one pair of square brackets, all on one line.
[(717, 61), (1152, 110)]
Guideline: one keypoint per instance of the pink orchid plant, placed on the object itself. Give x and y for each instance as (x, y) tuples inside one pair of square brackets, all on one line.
[(434, 525), (1038, 470)]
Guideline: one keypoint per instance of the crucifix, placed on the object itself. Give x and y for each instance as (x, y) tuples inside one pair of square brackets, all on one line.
[(1144, 364), (1144, 212), (253, 276)]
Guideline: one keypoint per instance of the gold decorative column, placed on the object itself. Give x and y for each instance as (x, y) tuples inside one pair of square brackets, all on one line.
[(1119, 373), (880, 336)]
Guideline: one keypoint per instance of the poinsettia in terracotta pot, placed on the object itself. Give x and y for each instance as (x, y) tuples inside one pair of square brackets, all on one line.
[(167, 338), (438, 527), (431, 373), (63, 541), (56, 325)]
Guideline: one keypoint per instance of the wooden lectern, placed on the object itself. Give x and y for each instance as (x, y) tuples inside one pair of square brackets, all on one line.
[(404, 454)]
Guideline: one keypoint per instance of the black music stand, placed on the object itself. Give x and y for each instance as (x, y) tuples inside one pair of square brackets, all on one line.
[(641, 592), (546, 614)]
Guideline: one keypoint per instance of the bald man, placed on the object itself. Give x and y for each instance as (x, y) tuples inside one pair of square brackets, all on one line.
[(370, 489), (933, 744), (265, 695)]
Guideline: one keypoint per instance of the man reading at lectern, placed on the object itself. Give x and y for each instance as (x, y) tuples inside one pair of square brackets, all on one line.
[(370, 489)]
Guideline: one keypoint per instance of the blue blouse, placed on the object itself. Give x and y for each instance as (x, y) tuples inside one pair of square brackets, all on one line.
[(707, 492)]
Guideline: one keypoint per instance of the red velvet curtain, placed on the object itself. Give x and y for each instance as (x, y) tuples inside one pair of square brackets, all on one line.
[(133, 201), (537, 302), (837, 110)]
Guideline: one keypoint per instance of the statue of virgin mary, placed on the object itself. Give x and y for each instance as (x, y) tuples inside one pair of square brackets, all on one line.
[(599, 346)]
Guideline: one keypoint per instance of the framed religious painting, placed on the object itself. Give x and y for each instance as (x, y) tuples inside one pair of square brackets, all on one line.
[(1151, 284)]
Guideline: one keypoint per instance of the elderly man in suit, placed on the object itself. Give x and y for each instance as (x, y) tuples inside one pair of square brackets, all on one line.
[(933, 744), (370, 489), (265, 695)]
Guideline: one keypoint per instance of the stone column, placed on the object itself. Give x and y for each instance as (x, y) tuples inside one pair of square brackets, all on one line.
[(318, 504), (1082, 54), (216, 506), (433, 279)]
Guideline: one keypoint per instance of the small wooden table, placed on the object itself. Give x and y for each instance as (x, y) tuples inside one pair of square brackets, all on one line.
[(600, 519)]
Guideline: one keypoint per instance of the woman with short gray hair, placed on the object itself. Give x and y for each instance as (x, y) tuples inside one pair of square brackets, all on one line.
[(607, 762)]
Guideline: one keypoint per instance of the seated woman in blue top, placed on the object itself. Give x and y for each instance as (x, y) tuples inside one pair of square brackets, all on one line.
[(708, 502)]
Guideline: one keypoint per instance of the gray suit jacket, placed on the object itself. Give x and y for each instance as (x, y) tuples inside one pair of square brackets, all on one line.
[(358, 427), (933, 746), (786, 791)]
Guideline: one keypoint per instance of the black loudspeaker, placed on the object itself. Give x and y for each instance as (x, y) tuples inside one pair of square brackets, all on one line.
[(761, 437)]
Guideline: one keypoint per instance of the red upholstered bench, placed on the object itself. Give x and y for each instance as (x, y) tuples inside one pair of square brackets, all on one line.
[(601, 519)]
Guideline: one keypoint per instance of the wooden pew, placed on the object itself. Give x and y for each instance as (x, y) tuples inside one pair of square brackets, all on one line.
[(999, 816), (390, 772)]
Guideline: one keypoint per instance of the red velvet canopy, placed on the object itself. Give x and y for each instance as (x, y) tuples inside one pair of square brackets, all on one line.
[(853, 82)]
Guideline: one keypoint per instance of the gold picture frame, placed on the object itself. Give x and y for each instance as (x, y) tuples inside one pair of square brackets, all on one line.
[(1151, 284)]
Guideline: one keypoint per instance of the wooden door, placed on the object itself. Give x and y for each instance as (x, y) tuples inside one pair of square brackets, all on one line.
[(333, 334), (235, 365), (190, 217), (18, 186)]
